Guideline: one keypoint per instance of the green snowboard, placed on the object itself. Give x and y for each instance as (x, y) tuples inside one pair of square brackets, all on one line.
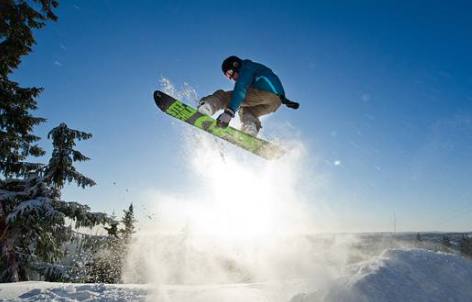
[(189, 115)]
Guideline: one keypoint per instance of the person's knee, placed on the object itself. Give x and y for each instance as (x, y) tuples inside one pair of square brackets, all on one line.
[(218, 100), (248, 117)]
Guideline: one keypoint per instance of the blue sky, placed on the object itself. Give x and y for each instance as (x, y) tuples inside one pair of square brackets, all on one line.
[(385, 89)]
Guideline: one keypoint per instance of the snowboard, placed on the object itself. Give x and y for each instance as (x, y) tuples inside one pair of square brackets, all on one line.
[(186, 113)]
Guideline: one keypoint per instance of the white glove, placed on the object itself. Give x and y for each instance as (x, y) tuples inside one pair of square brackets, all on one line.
[(223, 120)]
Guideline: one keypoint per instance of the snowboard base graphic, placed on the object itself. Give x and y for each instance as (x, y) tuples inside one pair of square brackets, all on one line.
[(186, 113)]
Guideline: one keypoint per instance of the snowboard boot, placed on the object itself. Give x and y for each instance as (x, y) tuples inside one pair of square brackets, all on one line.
[(205, 108), (250, 128)]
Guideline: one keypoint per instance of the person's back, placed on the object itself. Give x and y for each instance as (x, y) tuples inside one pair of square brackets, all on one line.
[(263, 78)]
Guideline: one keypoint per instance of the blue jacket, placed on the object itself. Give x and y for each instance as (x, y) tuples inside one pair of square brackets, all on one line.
[(252, 74)]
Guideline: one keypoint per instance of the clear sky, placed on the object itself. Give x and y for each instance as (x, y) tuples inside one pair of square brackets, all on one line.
[(385, 89)]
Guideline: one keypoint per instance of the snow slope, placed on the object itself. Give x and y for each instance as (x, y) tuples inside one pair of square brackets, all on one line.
[(401, 275), (55, 292), (47, 291), (396, 275)]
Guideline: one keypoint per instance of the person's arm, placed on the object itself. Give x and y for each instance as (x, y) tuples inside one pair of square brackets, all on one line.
[(245, 78)]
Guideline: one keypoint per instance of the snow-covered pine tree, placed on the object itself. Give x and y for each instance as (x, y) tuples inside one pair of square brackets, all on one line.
[(113, 229), (17, 142), (34, 216), (60, 168), (107, 265), (128, 222)]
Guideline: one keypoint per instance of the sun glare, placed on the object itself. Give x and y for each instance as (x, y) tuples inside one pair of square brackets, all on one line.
[(245, 199), (241, 207)]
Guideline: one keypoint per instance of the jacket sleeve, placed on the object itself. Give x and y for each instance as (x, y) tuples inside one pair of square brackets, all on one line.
[(245, 78)]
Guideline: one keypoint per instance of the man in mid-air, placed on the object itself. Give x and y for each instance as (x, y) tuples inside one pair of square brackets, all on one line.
[(257, 92)]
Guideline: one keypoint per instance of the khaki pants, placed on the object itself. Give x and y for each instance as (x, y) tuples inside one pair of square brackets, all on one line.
[(256, 104)]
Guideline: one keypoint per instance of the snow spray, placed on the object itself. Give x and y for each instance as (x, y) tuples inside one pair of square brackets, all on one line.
[(235, 219)]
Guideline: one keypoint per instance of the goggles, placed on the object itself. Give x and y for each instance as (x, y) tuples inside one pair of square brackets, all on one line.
[(229, 74)]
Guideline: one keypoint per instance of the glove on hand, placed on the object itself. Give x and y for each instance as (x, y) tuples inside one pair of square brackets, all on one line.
[(289, 103), (223, 120), (292, 105)]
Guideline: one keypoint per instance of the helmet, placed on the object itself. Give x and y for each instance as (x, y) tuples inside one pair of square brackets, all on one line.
[(232, 62)]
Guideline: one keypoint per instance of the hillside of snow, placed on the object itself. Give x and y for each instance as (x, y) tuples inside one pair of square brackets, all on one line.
[(396, 275), (401, 275)]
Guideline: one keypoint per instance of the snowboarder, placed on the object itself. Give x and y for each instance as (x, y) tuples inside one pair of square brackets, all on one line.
[(257, 92)]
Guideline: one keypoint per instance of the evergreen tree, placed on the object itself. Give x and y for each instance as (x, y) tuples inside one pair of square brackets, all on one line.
[(419, 241), (106, 265), (17, 21), (113, 230), (33, 221), (32, 214), (128, 221), (17, 142), (465, 246), (60, 168), (446, 243), (419, 238)]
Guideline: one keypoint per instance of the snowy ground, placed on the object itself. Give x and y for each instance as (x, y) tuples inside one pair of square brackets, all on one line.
[(402, 275)]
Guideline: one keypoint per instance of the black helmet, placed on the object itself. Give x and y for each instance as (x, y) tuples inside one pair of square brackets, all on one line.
[(232, 62)]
